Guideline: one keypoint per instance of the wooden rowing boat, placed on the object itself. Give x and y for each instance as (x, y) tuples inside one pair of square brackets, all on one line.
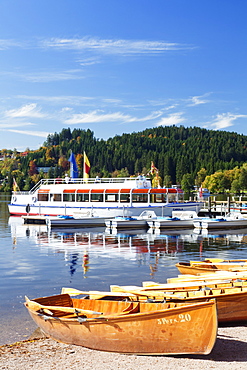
[(211, 265), (218, 275), (231, 299), (128, 327)]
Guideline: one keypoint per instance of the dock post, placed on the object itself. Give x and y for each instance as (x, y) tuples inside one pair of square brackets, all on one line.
[(209, 206), (228, 204)]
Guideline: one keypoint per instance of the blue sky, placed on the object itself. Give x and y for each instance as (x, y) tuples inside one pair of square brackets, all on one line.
[(120, 66)]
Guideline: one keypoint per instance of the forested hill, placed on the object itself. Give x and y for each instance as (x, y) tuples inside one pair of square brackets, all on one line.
[(174, 150)]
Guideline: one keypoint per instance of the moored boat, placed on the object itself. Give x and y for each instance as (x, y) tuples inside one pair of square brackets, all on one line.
[(128, 327), (211, 266), (232, 220), (69, 221), (105, 197), (138, 222), (231, 299), (178, 220)]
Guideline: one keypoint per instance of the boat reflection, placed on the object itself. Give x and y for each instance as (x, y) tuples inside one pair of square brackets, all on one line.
[(146, 247), (78, 245), (230, 235)]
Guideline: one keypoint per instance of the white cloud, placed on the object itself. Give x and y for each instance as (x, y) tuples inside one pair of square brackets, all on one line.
[(31, 133), (97, 116), (52, 76), (172, 119), (197, 100), (109, 46), (8, 43), (7, 124), (64, 99), (225, 120), (28, 110), (88, 61)]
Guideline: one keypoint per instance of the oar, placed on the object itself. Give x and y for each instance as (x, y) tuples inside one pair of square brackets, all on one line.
[(221, 260), (217, 261), (151, 293), (35, 306), (190, 285), (72, 291)]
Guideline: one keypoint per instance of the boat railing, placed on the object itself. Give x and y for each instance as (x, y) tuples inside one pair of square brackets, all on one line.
[(58, 181)]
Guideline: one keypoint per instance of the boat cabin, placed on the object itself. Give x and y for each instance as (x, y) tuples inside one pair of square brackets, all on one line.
[(115, 190)]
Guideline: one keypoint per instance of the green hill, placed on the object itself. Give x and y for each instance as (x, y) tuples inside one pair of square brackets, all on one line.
[(176, 151)]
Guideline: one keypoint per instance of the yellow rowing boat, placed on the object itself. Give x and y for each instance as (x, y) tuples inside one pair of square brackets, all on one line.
[(128, 327)]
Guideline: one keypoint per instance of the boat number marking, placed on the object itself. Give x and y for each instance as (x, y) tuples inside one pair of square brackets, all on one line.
[(178, 319)]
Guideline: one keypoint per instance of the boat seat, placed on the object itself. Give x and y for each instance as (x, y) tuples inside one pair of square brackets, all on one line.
[(61, 300)]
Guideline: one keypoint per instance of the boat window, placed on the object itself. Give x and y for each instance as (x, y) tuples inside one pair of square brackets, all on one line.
[(141, 198), (180, 196), (82, 197), (158, 198), (172, 197), (69, 197), (43, 197), (56, 197), (124, 198), (97, 197), (111, 197)]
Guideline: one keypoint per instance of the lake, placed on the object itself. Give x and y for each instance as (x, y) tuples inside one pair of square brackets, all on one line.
[(37, 262)]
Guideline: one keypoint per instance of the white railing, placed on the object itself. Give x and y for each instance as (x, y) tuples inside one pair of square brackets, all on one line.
[(57, 181)]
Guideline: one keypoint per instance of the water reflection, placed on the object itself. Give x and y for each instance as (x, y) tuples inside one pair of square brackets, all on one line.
[(149, 248), (78, 245)]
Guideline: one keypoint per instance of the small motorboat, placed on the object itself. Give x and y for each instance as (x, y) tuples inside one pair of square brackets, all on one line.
[(231, 220), (70, 221), (178, 220), (131, 222)]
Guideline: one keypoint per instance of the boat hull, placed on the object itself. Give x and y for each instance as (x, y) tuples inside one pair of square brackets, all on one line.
[(170, 224), (20, 209), (224, 224), (207, 267), (156, 330), (76, 222), (126, 224), (231, 307)]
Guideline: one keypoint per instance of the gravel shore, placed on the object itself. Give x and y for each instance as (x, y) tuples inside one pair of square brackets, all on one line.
[(230, 352)]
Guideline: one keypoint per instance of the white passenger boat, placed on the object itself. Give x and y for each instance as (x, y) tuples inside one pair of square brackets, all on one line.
[(109, 197)]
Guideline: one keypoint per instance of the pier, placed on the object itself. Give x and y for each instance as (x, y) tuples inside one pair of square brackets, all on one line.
[(220, 208)]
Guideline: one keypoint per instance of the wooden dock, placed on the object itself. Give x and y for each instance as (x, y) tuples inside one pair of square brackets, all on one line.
[(221, 208)]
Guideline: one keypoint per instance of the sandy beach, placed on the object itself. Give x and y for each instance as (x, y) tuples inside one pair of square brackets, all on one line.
[(39, 352)]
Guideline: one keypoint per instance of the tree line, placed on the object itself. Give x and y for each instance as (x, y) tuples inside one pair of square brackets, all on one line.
[(186, 156)]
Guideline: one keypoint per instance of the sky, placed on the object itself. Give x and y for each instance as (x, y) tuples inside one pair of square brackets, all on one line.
[(120, 66)]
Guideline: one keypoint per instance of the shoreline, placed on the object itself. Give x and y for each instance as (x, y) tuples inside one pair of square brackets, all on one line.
[(39, 352)]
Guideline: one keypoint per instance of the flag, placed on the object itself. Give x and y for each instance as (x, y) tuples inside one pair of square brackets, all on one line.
[(73, 167), (86, 167), (15, 185), (153, 168)]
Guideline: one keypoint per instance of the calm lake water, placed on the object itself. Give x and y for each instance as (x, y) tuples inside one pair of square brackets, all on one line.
[(36, 262)]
